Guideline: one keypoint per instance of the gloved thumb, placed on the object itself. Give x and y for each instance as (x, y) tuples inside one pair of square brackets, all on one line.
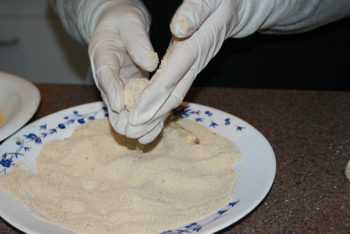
[(191, 15)]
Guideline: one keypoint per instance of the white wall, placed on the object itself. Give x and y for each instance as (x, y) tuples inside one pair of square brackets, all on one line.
[(35, 46)]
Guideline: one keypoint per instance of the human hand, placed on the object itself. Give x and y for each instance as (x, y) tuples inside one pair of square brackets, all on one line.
[(199, 28), (119, 49)]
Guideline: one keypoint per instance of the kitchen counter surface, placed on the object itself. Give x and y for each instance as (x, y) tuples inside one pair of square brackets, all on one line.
[(309, 132)]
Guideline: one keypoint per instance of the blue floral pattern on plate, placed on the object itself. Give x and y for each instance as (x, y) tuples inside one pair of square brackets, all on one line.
[(25, 145), (24, 142)]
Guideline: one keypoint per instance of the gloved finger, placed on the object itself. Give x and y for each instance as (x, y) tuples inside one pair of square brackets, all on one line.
[(183, 61), (149, 137), (105, 56), (174, 100), (135, 38), (112, 87), (106, 48), (112, 116), (131, 71), (122, 122), (130, 21), (190, 16), (177, 62), (138, 131)]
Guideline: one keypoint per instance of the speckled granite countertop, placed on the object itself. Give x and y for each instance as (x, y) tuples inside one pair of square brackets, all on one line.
[(309, 132)]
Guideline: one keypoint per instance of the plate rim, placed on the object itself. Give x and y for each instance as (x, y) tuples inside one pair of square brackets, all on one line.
[(30, 101)]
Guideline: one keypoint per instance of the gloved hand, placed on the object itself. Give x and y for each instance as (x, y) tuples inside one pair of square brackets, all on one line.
[(199, 28), (119, 49)]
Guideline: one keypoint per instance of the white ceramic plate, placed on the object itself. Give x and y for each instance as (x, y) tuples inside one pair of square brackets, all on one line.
[(256, 170), (19, 99)]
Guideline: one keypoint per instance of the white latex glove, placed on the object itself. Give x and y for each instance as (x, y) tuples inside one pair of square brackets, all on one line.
[(119, 49), (200, 28)]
